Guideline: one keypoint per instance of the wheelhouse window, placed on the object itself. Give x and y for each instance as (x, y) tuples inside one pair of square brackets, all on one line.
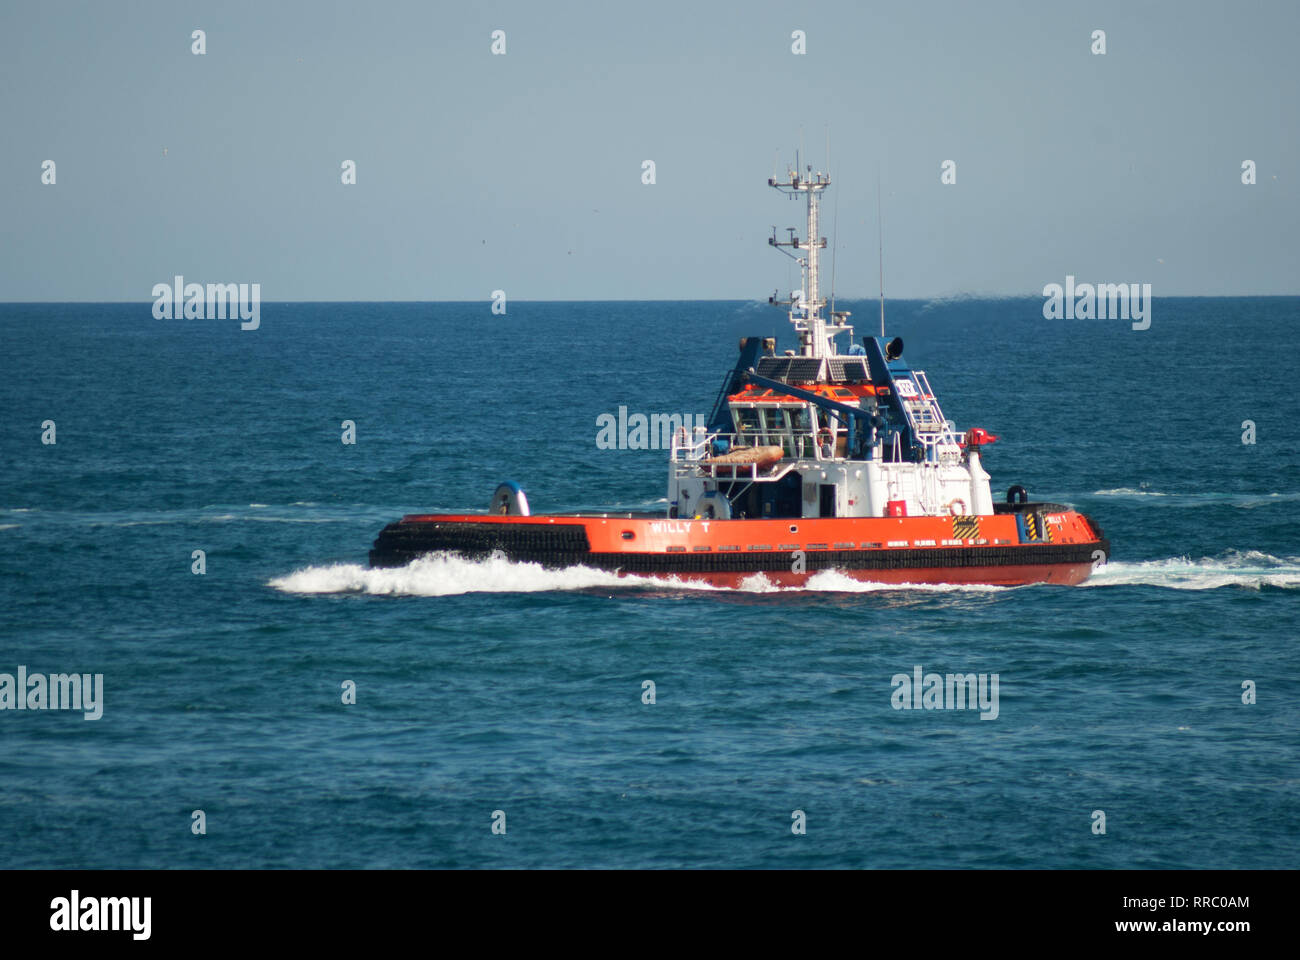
[(775, 423), (748, 421)]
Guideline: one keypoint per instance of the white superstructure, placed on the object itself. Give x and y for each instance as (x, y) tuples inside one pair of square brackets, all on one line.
[(860, 434)]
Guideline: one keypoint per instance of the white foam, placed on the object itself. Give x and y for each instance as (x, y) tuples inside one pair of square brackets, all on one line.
[(758, 583), (1203, 498), (837, 581), (1128, 492), (441, 575), (1249, 568), (298, 519)]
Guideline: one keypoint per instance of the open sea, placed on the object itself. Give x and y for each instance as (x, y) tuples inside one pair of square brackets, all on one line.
[(485, 687)]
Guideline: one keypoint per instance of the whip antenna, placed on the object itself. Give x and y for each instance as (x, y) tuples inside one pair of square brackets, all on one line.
[(880, 244)]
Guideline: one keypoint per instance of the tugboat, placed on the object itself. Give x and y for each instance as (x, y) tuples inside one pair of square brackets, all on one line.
[(812, 460)]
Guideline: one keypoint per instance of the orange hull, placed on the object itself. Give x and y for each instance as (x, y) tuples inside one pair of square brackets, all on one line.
[(1034, 543)]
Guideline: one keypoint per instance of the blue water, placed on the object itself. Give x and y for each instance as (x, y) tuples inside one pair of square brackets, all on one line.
[(487, 686)]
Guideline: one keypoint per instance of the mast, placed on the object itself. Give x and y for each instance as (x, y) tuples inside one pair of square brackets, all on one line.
[(807, 306)]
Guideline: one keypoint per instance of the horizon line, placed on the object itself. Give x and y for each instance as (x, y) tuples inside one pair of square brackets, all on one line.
[(869, 298)]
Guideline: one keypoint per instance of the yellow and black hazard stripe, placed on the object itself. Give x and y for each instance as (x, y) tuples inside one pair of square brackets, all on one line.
[(1037, 529), (965, 528)]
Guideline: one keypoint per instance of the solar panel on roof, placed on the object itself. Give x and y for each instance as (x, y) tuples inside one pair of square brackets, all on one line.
[(790, 369), (848, 370)]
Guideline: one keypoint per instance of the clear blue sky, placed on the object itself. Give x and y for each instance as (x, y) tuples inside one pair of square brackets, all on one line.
[(523, 172)]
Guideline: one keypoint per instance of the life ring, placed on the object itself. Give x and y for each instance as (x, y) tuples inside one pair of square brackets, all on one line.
[(954, 503), (1017, 494)]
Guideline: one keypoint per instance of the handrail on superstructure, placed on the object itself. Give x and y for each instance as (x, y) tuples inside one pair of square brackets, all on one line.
[(931, 437)]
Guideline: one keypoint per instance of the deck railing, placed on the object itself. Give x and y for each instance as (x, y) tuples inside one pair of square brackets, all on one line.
[(688, 451)]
